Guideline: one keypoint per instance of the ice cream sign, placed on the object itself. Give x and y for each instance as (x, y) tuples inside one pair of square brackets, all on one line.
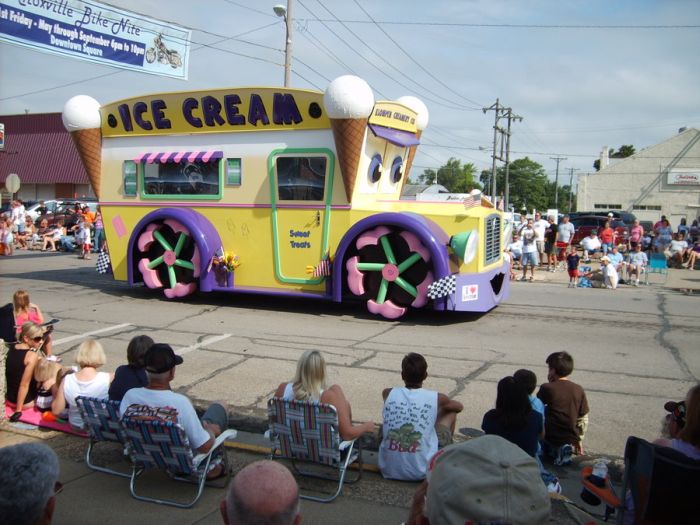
[(247, 109), (690, 178)]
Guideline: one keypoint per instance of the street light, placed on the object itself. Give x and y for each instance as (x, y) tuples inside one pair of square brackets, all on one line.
[(286, 13)]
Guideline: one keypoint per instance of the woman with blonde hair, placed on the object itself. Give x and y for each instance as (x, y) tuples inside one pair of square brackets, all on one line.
[(687, 440), (309, 384), (19, 367), (25, 311), (85, 382)]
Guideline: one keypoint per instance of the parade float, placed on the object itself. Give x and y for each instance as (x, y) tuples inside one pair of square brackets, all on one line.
[(283, 191)]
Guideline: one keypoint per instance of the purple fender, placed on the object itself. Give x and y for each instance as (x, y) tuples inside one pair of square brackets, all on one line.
[(430, 234), (203, 232)]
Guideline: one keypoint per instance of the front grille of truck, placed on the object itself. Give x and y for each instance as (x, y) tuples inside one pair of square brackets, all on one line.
[(492, 242)]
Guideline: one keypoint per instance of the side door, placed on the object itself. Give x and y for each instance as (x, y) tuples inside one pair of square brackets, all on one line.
[(301, 185)]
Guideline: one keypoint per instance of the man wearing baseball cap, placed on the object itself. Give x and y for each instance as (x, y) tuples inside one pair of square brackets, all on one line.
[(484, 480), (161, 361)]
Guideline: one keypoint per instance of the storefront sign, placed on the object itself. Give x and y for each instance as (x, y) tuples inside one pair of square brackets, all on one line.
[(97, 32), (393, 115), (684, 178)]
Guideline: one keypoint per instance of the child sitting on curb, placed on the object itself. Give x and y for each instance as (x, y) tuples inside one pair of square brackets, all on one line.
[(566, 410)]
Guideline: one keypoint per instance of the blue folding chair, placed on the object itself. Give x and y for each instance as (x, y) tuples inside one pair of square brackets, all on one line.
[(657, 264), (101, 418)]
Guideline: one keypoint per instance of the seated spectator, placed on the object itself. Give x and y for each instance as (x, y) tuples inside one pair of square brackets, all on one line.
[(662, 235), (28, 484), (23, 237), (566, 410), (22, 359), (513, 418), (590, 245), (53, 236), (528, 379), (636, 262), (133, 374), (416, 423), (676, 250), (7, 237), (262, 492), (515, 248), (48, 375), (483, 480), (610, 276), (685, 425), (694, 254), (24, 311), (309, 383), (617, 260), (87, 381), (161, 362)]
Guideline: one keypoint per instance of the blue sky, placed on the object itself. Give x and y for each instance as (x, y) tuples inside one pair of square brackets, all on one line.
[(578, 84)]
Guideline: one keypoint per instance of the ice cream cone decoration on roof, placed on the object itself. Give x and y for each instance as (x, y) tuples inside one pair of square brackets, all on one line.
[(349, 101), (81, 117)]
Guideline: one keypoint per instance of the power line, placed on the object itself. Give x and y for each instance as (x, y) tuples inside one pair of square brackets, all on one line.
[(420, 66), (516, 26)]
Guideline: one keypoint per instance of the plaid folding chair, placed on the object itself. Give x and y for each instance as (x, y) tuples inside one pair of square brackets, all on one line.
[(101, 418), (163, 445), (307, 431)]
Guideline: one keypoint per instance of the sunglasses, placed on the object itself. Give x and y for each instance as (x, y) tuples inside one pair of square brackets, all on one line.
[(37, 339)]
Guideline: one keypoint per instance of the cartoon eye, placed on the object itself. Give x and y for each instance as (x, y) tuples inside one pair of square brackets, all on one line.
[(375, 169), (396, 170)]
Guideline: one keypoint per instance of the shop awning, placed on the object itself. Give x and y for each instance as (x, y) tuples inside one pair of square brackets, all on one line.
[(395, 136), (150, 157)]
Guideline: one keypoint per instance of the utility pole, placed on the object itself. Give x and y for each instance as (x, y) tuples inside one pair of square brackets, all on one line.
[(556, 181), (571, 181), (501, 112)]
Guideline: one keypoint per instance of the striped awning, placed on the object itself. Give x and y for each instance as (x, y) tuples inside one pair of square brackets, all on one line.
[(150, 157)]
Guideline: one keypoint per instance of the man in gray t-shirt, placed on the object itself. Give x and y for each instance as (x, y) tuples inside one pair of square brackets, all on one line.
[(636, 262), (565, 231)]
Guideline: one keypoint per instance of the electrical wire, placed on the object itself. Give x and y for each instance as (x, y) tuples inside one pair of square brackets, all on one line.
[(420, 66), (519, 26)]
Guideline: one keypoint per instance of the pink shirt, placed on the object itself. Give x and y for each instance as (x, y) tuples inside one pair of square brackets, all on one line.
[(636, 233)]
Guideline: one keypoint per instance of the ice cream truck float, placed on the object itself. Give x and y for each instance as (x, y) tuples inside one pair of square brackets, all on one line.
[(283, 191)]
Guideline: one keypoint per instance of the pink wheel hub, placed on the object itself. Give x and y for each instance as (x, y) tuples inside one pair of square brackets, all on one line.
[(390, 272), (169, 257)]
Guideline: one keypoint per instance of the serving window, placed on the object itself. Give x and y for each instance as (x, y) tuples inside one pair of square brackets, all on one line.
[(301, 178), (183, 175)]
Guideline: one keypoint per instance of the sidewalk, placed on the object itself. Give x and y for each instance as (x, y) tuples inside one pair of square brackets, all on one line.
[(89, 497)]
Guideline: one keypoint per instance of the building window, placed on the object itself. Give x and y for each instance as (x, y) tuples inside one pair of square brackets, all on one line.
[(607, 206), (129, 177), (652, 207), (233, 172)]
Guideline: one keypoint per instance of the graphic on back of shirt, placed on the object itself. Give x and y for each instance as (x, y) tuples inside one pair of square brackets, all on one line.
[(404, 439)]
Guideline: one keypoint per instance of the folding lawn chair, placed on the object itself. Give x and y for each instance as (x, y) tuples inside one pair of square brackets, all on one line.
[(307, 431), (663, 484), (163, 445), (657, 264), (102, 421)]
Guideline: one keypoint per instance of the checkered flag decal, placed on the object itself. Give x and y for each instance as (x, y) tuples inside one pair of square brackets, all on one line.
[(103, 263), (442, 287)]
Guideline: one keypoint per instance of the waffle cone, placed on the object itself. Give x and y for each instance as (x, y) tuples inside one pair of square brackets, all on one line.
[(89, 145), (349, 135), (409, 162)]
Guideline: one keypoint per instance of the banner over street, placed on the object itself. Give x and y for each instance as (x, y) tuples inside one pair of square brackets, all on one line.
[(97, 32)]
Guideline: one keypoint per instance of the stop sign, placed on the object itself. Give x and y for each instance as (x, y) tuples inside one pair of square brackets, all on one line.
[(12, 183)]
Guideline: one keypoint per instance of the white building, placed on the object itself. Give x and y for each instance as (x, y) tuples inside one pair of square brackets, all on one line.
[(660, 180)]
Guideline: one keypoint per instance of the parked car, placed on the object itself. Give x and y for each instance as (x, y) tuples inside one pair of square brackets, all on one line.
[(51, 206), (624, 216), (585, 224), (66, 213)]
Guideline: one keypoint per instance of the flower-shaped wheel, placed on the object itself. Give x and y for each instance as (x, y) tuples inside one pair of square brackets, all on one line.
[(168, 253), (391, 270)]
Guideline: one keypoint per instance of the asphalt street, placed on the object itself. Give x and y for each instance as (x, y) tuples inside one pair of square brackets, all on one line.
[(634, 348)]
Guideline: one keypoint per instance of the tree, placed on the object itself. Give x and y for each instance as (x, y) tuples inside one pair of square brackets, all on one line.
[(529, 186), (453, 175)]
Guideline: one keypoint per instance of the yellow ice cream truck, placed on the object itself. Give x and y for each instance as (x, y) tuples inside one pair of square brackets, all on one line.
[(283, 191)]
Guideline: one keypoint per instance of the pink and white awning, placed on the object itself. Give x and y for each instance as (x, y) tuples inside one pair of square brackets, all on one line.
[(178, 156)]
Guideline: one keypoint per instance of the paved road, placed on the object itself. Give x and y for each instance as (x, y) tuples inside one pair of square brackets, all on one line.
[(634, 348)]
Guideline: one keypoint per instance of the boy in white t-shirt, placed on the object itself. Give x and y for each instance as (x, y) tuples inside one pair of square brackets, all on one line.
[(416, 423)]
